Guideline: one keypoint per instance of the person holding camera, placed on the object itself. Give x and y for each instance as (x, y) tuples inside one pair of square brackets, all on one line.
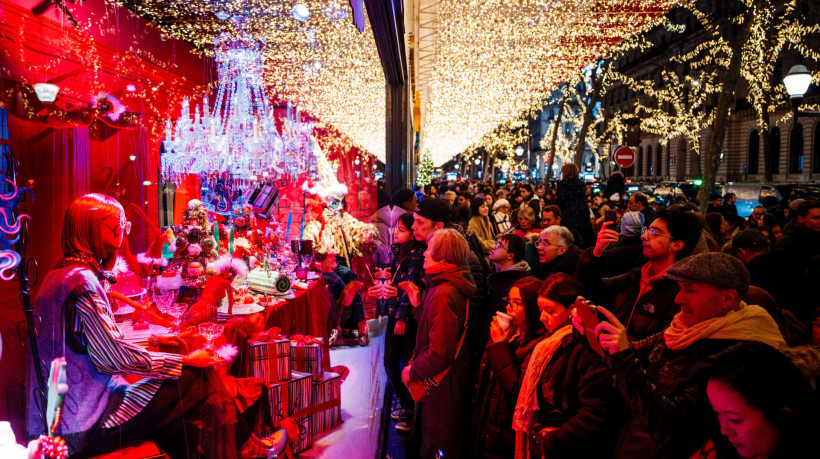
[(642, 298)]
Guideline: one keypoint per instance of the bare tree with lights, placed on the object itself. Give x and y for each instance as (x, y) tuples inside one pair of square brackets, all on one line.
[(773, 31)]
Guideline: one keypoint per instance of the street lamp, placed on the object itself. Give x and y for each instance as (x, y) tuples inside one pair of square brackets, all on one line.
[(519, 150), (797, 82), (477, 161)]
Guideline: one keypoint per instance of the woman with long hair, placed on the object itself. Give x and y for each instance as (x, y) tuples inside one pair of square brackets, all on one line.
[(402, 318), (566, 406), (502, 367), (480, 224), (714, 223), (176, 403)]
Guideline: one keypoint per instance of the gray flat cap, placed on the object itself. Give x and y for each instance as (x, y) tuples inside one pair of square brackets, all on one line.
[(719, 269)]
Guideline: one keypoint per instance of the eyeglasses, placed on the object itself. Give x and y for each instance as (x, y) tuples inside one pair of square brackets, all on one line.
[(124, 224), (499, 244), (513, 305), (540, 242), (654, 232)]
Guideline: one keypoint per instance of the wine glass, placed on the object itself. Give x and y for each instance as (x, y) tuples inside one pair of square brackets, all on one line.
[(177, 310), (164, 298), (306, 249), (210, 331)]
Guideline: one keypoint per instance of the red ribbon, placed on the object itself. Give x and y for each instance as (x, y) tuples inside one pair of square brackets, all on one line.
[(305, 340), (273, 333)]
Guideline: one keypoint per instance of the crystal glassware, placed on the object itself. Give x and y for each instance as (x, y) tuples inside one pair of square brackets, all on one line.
[(164, 298), (210, 331), (176, 310)]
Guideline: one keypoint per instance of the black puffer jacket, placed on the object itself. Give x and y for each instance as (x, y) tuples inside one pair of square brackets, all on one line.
[(667, 406), (499, 381)]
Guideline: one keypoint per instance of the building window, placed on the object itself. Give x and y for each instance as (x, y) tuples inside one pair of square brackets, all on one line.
[(774, 150), (754, 152), (816, 141), (796, 150), (640, 161), (659, 161)]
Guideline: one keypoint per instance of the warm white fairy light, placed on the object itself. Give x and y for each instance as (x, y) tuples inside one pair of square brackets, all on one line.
[(498, 58), (320, 62)]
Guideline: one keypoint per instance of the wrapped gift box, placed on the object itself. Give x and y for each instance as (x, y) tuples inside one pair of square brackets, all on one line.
[(269, 356), (305, 435), (327, 397), (289, 397), (306, 354)]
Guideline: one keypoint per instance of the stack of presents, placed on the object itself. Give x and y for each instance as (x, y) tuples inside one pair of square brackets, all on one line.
[(298, 388)]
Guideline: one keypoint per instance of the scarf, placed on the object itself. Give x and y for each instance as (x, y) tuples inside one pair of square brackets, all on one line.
[(527, 403), (747, 323)]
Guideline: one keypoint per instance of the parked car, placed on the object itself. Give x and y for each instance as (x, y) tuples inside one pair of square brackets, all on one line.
[(774, 197)]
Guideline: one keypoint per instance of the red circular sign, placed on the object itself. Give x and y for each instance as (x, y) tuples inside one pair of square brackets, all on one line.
[(624, 157)]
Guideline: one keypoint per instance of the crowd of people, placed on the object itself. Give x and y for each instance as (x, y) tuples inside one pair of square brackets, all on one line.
[(552, 321)]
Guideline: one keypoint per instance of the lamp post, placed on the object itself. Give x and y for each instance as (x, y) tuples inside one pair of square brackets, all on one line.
[(797, 82)]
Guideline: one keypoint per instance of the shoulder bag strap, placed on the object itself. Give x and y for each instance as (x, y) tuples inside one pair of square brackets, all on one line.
[(439, 377)]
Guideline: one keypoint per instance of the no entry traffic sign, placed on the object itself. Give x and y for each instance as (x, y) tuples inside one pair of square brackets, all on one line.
[(624, 157)]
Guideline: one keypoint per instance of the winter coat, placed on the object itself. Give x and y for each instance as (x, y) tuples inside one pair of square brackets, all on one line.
[(571, 198), (499, 381), (615, 184), (667, 406), (412, 270), (653, 310), (442, 321), (479, 272), (577, 396), (480, 227)]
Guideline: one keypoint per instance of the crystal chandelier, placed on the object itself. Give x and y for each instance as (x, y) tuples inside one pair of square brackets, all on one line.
[(239, 139)]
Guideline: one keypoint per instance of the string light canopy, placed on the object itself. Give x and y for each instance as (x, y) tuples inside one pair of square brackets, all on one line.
[(498, 58), (313, 55)]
